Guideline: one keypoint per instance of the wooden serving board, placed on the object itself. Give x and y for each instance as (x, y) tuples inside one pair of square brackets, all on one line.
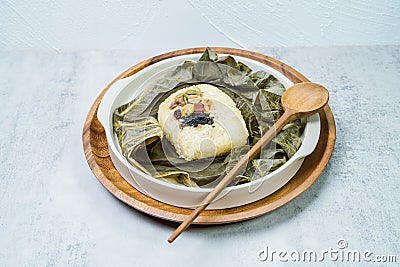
[(97, 155)]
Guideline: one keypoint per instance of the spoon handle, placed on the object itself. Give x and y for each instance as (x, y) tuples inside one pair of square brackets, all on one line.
[(256, 149)]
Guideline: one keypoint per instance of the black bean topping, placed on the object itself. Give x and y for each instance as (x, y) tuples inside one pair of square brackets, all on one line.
[(196, 119)]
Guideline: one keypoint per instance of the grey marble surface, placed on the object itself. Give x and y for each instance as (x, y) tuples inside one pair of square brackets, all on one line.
[(54, 212)]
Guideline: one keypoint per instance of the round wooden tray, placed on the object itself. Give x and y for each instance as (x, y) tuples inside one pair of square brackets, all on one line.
[(97, 156)]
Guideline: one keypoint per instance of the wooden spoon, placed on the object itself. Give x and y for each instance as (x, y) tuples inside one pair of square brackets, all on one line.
[(300, 100)]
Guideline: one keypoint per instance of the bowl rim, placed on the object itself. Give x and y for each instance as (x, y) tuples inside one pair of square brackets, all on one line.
[(174, 57)]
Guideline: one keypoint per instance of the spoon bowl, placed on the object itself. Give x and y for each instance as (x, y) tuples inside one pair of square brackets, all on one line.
[(305, 98)]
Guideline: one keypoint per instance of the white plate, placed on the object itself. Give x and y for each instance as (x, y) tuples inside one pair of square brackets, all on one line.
[(126, 89)]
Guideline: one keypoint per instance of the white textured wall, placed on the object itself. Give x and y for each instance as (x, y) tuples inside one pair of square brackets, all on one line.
[(102, 24), (293, 23)]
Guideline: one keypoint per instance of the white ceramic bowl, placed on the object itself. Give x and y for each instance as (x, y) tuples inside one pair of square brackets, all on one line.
[(126, 89)]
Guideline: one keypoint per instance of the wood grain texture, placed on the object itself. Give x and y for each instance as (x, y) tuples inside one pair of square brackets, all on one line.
[(97, 155)]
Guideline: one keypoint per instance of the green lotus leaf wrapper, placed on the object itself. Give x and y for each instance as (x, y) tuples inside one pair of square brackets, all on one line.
[(256, 94)]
